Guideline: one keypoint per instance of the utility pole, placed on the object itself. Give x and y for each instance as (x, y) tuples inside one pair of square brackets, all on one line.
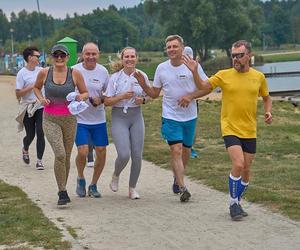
[(41, 30)]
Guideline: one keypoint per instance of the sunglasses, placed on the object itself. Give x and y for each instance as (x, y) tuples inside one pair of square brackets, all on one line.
[(237, 55), (61, 55), (37, 56)]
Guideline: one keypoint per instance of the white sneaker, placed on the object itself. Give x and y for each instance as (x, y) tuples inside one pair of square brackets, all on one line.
[(90, 164), (39, 165), (114, 184), (133, 194)]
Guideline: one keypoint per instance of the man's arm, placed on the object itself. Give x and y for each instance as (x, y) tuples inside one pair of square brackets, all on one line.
[(268, 109), (185, 100)]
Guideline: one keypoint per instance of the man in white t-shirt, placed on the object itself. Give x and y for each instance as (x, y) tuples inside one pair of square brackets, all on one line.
[(91, 123), (179, 110)]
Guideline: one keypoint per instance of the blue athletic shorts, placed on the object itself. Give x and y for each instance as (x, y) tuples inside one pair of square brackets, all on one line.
[(97, 133), (179, 132)]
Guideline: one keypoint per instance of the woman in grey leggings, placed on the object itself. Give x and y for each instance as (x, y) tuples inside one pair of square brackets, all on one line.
[(125, 95)]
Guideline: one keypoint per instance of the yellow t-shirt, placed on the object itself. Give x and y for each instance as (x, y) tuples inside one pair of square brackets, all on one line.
[(240, 93)]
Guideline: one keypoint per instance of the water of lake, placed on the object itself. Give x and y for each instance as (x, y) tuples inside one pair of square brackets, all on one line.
[(282, 83)]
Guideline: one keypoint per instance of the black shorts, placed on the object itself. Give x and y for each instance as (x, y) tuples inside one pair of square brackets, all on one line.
[(248, 144)]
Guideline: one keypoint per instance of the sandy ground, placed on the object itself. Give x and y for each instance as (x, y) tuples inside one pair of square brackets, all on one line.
[(157, 221)]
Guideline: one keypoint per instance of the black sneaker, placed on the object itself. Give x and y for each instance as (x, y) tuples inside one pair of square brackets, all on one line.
[(185, 195), (68, 198), (25, 157), (245, 214), (235, 212), (63, 198)]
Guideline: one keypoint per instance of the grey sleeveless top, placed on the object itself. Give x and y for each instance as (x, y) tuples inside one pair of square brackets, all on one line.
[(57, 93)]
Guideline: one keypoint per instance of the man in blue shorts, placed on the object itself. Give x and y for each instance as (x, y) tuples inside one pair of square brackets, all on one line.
[(179, 110), (91, 123)]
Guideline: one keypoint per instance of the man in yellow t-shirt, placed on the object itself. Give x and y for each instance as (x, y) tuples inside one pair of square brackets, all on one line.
[(241, 86)]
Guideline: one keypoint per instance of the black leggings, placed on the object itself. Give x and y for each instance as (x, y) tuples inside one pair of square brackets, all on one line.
[(34, 125)]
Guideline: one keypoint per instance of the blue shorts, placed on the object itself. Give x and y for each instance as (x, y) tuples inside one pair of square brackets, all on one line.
[(96, 133), (179, 132)]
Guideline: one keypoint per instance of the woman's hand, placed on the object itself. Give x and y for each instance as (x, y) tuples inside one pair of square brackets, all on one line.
[(139, 100), (127, 95), (44, 101)]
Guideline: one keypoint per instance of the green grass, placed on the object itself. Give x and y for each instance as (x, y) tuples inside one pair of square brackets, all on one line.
[(275, 180), (22, 222)]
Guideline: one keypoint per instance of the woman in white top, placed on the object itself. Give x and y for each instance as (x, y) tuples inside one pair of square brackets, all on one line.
[(30, 117), (126, 96)]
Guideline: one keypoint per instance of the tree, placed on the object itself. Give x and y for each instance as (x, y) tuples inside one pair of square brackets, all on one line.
[(4, 24)]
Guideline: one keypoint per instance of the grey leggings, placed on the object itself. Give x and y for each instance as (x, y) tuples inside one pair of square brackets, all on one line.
[(60, 132), (128, 131)]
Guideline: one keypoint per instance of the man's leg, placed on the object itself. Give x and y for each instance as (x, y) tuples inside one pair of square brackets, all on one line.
[(82, 152), (237, 158), (99, 163), (177, 163), (243, 185)]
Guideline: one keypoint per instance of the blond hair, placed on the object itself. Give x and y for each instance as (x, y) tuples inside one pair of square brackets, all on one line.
[(175, 37), (118, 65)]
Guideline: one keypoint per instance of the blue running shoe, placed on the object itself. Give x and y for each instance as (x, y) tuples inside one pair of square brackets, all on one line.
[(80, 189), (194, 153), (93, 192), (175, 187)]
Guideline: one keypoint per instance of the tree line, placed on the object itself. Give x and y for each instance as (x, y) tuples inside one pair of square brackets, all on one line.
[(204, 24)]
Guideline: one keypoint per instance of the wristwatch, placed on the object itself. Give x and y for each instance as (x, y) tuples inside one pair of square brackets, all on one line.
[(144, 100)]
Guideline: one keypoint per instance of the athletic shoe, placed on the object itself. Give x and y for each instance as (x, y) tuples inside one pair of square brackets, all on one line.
[(62, 198), (185, 195), (93, 192), (175, 187), (194, 153), (245, 214), (114, 184), (235, 212), (25, 156), (39, 165), (90, 164), (133, 194), (80, 189), (68, 198)]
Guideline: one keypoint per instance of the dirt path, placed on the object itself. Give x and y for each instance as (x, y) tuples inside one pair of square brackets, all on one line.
[(157, 221)]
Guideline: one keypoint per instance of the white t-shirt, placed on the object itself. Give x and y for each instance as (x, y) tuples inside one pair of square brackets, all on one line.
[(25, 78), (176, 82), (96, 81), (120, 82)]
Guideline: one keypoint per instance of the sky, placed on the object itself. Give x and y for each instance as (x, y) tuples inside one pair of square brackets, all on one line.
[(60, 8)]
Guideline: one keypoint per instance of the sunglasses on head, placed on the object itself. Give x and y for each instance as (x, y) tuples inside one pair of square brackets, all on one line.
[(238, 55), (61, 55)]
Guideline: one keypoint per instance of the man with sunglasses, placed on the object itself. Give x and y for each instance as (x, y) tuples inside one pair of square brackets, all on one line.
[(91, 123), (241, 86), (31, 111)]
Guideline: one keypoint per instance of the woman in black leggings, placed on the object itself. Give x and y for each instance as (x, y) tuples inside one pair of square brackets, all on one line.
[(31, 112)]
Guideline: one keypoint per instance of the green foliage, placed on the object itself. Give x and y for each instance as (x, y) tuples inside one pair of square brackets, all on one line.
[(204, 24)]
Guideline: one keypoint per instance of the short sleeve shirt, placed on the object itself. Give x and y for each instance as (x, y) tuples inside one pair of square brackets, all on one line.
[(240, 92), (120, 82), (96, 81), (176, 82)]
